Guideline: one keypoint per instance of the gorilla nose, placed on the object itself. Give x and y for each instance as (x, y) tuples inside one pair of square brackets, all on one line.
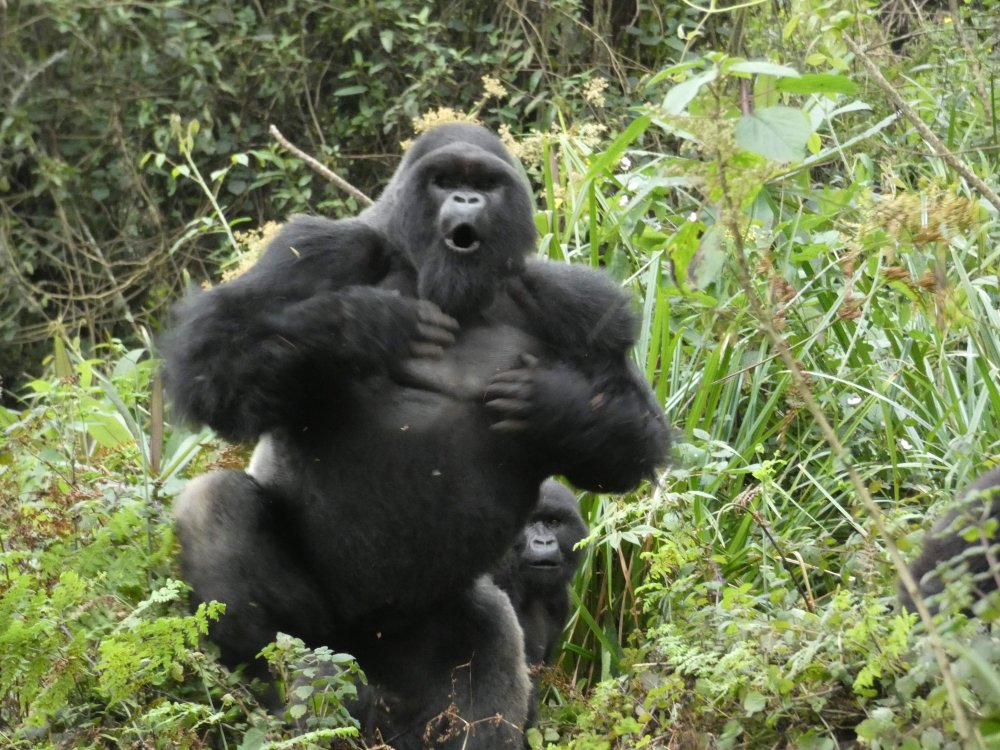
[(460, 214), (471, 199), (543, 545)]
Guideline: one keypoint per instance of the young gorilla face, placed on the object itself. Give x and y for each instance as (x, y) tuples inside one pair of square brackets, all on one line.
[(547, 557)]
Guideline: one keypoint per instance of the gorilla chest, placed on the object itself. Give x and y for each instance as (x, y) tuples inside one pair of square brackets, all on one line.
[(414, 468), (441, 399), (466, 368), (425, 425)]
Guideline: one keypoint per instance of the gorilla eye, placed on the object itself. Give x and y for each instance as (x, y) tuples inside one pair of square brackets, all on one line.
[(550, 523), (445, 181), (484, 183)]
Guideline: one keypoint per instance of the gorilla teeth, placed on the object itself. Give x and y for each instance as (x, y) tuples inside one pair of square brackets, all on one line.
[(463, 239)]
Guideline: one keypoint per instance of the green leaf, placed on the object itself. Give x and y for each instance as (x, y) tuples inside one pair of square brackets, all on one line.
[(868, 729), (776, 133), (351, 90), (253, 739), (673, 70), (762, 67), (108, 430), (386, 37), (681, 95), (614, 152), (818, 83), (754, 703)]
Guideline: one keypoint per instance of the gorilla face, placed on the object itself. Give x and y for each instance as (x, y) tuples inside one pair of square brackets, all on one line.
[(463, 215), (546, 551)]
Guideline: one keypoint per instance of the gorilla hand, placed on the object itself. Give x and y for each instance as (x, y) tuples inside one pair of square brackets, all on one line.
[(371, 329), (545, 401), (435, 330)]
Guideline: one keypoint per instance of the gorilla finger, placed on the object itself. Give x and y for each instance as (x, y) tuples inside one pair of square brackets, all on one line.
[(428, 312), (435, 334), (517, 375), (510, 407), (496, 391), (421, 350), (510, 426)]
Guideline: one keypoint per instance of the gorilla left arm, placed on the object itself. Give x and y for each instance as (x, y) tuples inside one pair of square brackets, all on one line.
[(589, 410)]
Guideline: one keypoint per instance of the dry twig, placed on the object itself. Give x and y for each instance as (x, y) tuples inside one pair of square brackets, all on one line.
[(319, 168)]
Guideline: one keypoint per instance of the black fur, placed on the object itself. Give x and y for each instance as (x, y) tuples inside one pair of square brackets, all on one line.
[(411, 378), (538, 568), (536, 572), (948, 554)]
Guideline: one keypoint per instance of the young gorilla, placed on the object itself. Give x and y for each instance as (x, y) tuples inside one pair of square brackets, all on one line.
[(538, 568), (536, 572), (948, 554), (410, 379)]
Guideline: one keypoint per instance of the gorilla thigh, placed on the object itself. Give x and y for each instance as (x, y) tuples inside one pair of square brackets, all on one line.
[(451, 675)]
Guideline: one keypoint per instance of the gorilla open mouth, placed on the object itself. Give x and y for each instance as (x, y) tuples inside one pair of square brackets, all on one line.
[(462, 239)]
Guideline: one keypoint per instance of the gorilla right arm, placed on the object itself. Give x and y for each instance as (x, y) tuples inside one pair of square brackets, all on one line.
[(586, 407), (257, 352)]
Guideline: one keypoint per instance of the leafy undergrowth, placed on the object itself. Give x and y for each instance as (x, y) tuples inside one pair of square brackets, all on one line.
[(98, 647)]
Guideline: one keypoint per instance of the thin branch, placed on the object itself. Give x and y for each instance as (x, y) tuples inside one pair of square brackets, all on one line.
[(926, 133), (319, 168)]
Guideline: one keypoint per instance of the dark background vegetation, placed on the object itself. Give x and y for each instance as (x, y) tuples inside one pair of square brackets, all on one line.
[(94, 234), (820, 325)]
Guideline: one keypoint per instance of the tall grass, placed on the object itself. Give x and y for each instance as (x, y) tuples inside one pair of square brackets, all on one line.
[(888, 303)]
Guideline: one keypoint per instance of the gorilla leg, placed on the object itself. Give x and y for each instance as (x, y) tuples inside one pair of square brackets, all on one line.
[(452, 677), (235, 549)]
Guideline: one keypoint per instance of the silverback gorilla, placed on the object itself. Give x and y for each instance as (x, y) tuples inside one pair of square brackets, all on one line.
[(536, 572), (961, 543), (410, 378)]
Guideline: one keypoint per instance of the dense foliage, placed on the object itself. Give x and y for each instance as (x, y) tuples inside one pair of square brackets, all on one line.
[(818, 280), (93, 231)]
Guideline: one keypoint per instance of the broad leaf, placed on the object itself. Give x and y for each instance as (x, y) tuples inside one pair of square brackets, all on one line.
[(818, 83), (762, 67), (681, 95), (776, 133)]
